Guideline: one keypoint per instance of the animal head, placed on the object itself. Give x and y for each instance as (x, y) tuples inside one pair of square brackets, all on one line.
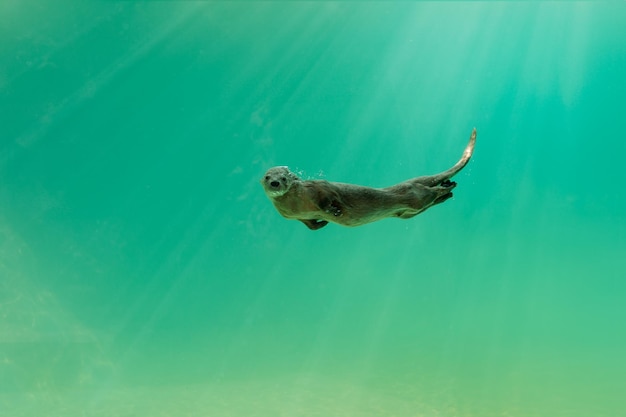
[(278, 180)]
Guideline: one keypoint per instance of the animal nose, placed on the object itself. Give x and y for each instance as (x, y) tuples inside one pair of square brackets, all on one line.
[(274, 183)]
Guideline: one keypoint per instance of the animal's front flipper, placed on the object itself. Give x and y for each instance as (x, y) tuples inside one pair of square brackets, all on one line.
[(331, 207), (329, 201), (314, 224)]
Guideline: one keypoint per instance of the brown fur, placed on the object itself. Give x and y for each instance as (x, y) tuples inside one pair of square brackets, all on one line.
[(317, 202)]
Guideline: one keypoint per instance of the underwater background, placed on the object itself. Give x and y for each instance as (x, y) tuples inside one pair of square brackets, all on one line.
[(143, 272)]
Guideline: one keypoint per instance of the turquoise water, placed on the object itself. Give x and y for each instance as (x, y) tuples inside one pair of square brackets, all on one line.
[(143, 272)]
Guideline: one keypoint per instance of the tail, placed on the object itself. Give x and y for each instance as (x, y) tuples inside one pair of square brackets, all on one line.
[(438, 179)]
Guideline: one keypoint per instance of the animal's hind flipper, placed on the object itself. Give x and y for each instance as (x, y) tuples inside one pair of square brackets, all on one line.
[(442, 198), (314, 224)]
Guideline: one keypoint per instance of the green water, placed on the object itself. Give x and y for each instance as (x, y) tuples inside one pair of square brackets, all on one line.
[(143, 272)]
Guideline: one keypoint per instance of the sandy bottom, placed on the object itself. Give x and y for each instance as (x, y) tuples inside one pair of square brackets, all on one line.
[(263, 398)]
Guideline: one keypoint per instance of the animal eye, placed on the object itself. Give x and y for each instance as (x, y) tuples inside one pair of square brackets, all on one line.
[(283, 179), (267, 177)]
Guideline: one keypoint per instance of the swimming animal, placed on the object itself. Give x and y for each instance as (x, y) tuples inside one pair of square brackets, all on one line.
[(317, 202)]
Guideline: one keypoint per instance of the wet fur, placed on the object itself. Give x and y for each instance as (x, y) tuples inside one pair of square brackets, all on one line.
[(317, 202)]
